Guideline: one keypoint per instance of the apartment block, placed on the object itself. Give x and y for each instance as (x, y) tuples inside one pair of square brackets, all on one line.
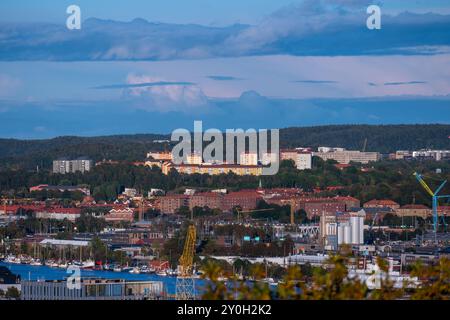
[(64, 165), (347, 156), (213, 169), (248, 158), (302, 159)]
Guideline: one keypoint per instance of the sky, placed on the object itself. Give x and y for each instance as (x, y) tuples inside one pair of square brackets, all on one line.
[(247, 63), (205, 12)]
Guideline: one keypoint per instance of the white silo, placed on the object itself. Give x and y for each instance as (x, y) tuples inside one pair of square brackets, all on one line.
[(354, 222), (340, 233), (357, 225), (347, 234), (361, 229)]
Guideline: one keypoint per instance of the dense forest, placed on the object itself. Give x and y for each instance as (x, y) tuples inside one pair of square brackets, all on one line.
[(27, 154)]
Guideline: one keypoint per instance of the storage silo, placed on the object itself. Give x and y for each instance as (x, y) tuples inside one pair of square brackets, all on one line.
[(340, 233), (347, 234), (354, 222)]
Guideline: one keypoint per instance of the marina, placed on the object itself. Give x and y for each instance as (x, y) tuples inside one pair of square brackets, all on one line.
[(43, 273)]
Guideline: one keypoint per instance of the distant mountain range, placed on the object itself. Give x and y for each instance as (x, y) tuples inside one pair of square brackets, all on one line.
[(382, 138)]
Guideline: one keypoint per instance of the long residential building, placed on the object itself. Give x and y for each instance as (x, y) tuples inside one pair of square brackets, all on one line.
[(246, 200), (346, 156), (213, 169)]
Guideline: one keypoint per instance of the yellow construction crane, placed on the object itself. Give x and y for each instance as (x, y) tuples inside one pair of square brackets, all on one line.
[(293, 203), (185, 285), (187, 258)]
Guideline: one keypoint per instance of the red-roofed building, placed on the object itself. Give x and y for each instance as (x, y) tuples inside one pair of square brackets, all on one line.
[(381, 204), (413, 210), (171, 203), (120, 213), (247, 200), (212, 200), (58, 213)]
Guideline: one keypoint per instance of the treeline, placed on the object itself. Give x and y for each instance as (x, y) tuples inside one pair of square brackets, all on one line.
[(381, 138), (27, 154)]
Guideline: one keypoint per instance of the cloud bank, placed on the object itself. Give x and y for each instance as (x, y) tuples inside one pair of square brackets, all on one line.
[(313, 27)]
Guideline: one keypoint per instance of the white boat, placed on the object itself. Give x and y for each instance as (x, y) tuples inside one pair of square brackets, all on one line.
[(117, 269), (135, 270), (270, 281), (10, 259), (162, 273), (36, 262), (89, 264), (145, 269)]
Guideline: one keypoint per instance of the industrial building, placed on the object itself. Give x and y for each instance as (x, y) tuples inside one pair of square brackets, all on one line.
[(339, 229), (92, 289)]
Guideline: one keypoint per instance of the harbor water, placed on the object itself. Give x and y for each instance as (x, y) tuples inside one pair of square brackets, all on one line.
[(29, 272)]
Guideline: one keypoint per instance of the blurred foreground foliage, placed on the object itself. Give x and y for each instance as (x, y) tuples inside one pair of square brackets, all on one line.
[(331, 282)]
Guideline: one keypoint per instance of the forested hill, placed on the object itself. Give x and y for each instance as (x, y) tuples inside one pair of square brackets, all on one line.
[(381, 138), (388, 138)]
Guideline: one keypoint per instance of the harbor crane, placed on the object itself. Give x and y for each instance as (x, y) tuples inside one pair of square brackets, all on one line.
[(185, 284), (435, 201)]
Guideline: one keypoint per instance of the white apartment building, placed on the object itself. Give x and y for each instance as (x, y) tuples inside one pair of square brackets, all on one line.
[(248, 158), (64, 165), (194, 158), (347, 156), (302, 159), (268, 158), (435, 154), (162, 156)]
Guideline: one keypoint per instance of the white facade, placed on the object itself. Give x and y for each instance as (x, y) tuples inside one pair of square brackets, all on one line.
[(345, 157), (303, 160), (64, 166), (194, 158), (350, 231), (268, 158), (248, 158)]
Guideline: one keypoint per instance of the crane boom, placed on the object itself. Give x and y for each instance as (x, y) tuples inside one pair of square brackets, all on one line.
[(187, 258), (424, 184)]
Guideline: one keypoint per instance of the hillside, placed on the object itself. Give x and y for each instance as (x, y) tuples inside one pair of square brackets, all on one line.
[(387, 138)]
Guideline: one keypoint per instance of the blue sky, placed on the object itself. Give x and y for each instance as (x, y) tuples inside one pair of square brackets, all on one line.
[(179, 11), (287, 63)]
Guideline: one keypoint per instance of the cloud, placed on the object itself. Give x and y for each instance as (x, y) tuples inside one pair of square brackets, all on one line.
[(404, 83), (223, 78), (171, 96), (249, 110), (8, 85), (315, 81), (145, 84), (311, 28)]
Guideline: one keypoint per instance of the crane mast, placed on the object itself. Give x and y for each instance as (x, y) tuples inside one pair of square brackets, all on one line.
[(185, 285)]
